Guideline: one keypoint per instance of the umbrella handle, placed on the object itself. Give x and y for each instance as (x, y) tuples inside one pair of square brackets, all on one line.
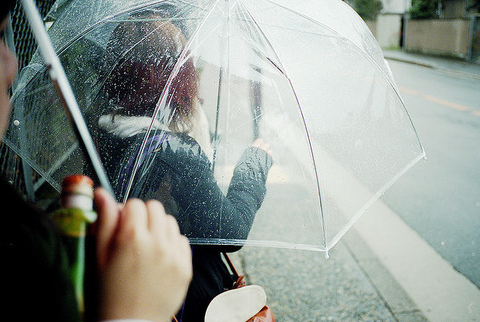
[(64, 90)]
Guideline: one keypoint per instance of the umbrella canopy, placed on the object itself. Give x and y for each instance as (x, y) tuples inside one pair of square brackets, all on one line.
[(306, 76)]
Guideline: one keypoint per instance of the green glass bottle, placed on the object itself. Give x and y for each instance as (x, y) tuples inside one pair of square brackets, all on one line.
[(75, 213)]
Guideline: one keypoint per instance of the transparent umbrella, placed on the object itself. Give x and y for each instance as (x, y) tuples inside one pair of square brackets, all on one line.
[(305, 76)]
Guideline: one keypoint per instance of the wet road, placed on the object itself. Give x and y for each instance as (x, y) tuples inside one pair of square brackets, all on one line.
[(440, 198)]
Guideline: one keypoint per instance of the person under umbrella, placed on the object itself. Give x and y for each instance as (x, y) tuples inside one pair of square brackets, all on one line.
[(150, 112)]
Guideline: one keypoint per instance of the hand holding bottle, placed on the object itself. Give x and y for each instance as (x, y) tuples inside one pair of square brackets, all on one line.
[(144, 263)]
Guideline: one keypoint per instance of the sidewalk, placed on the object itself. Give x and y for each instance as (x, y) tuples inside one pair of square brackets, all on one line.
[(381, 270), (448, 65), (352, 286)]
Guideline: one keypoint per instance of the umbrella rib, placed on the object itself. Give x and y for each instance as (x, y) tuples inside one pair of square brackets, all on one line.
[(163, 97), (373, 199), (365, 54), (314, 168), (283, 71), (45, 175), (280, 68), (369, 58)]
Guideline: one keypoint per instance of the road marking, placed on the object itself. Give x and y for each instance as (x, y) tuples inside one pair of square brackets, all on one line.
[(409, 91), (439, 101)]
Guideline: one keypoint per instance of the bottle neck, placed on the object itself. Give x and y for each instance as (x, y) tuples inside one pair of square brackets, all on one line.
[(77, 201)]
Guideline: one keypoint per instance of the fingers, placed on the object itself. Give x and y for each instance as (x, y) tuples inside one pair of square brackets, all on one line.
[(139, 220), (134, 219), (149, 217), (147, 266), (105, 226), (159, 221), (156, 215), (164, 228), (261, 144), (148, 225)]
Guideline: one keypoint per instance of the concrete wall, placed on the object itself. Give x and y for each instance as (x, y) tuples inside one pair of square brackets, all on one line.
[(440, 37), (386, 29)]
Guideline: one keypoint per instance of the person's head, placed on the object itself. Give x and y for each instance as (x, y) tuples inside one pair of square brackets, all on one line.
[(8, 68), (144, 53)]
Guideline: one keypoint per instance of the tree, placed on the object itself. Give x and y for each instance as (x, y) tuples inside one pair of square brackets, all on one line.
[(367, 9), (423, 9), (475, 6)]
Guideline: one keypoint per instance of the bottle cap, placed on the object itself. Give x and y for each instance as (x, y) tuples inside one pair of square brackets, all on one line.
[(77, 184)]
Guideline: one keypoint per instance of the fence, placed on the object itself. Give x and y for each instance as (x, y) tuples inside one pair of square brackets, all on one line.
[(451, 37), (474, 45), (11, 166)]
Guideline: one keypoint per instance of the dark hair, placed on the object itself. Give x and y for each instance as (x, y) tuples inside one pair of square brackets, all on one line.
[(144, 52), (5, 7)]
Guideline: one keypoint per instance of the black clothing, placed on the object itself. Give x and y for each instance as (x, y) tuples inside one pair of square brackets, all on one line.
[(210, 278), (34, 273)]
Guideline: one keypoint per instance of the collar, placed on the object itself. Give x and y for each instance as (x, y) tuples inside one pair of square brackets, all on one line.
[(127, 126)]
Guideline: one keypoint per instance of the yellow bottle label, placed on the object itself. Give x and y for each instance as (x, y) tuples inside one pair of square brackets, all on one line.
[(73, 221)]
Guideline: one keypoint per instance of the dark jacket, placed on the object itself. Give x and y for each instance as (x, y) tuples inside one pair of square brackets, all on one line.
[(177, 172), (34, 272)]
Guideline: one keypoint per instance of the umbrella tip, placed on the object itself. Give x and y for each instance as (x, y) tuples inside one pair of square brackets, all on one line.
[(327, 256)]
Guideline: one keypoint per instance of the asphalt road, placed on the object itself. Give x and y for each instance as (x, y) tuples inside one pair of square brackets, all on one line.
[(440, 197)]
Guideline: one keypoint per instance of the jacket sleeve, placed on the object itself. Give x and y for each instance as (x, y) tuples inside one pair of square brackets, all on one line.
[(205, 212), (247, 187)]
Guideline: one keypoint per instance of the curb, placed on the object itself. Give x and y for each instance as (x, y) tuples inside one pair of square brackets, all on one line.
[(432, 65), (410, 61), (440, 292), (388, 289)]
